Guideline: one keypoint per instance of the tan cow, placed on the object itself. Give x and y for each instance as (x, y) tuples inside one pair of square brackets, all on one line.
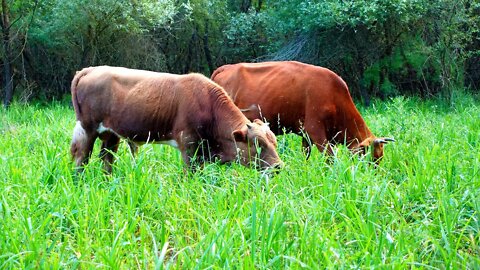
[(308, 100), (189, 112)]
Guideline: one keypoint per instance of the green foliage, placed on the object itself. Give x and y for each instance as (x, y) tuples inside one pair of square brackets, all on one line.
[(380, 47), (69, 35), (418, 208), (246, 36), (379, 13), (193, 43)]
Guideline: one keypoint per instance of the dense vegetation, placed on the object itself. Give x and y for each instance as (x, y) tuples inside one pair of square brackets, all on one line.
[(419, 209), (380, 47)]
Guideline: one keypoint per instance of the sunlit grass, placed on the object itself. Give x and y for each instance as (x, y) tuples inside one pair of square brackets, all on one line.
[(419, 208)]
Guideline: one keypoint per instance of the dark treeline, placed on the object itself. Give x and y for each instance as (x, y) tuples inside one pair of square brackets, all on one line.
[(380, 47)]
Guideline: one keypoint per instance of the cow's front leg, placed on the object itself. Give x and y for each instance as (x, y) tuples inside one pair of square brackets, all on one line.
[(190, 148), (318, 136)]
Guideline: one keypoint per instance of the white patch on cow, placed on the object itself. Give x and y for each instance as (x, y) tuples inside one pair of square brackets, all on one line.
[(102, 128), (79, 134), (172, 143)]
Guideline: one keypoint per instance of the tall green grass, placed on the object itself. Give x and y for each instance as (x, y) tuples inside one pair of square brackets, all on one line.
[(419, 209)]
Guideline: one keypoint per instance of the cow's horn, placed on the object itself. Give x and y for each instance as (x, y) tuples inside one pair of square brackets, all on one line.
[(379, 140), (383, 140), (249, 125)]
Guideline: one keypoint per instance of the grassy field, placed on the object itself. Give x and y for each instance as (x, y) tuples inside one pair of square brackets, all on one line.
[(419, 209)]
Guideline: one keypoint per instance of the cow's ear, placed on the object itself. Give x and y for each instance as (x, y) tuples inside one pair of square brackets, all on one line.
[(258, 121), (240, 135), (366, 142)]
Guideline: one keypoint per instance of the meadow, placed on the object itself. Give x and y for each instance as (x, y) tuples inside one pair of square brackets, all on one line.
[(419, 209)]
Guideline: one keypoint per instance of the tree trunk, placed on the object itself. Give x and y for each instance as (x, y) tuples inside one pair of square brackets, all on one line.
[(188, 61), (206, 49), (7, 55), (364, 93), (245, 5), (259, 6)]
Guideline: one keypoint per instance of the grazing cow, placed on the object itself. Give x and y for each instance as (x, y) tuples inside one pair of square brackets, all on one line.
[(308, 100), (189, 112)]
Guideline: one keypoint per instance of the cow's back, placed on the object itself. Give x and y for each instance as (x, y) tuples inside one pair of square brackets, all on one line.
[(128, 101), (284, 91)]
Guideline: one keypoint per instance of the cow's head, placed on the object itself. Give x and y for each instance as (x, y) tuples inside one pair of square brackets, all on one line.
[(257, 144), (376, 147)]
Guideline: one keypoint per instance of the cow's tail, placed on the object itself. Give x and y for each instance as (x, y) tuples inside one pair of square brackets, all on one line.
[(73, 89), (217, 71)]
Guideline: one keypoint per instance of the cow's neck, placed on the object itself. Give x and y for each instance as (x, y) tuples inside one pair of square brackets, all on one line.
[(356, 129), (228, 116)]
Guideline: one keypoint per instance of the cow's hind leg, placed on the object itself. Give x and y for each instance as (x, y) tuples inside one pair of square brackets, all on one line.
[(110, 144), (81, 146)]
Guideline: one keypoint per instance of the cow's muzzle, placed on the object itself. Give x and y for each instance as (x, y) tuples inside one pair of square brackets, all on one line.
[(275, 168), (278, 165)]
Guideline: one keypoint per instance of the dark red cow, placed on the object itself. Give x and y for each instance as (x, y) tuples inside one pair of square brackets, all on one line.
[(308, 100), (189, 112)]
